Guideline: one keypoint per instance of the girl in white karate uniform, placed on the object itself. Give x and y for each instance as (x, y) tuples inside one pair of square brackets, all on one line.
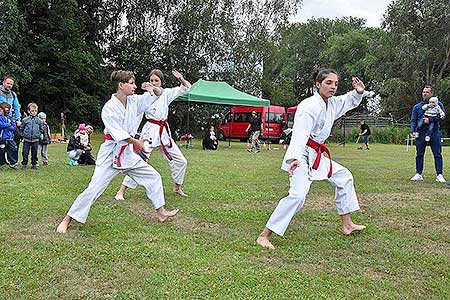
[(304, 159), (121, 115), (157, 133)]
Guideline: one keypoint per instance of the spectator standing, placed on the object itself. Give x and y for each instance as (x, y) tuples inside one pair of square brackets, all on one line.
[(420, 133), (10, 97), (255, 127), (32, 131), (7, 145), (45, 139), (365, 134)]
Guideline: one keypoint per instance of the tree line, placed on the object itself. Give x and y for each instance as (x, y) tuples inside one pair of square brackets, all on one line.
[(62, 51)]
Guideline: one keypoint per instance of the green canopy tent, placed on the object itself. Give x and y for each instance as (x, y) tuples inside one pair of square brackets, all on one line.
[(219, 92)]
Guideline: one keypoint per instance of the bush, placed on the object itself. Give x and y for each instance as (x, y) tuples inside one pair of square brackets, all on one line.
[(388, 135)]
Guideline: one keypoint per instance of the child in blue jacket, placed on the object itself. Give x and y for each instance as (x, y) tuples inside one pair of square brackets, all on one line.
[(7, 144), (32, 132)]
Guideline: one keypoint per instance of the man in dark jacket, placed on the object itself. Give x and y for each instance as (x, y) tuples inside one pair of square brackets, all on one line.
[(420, 133), (255, 127)]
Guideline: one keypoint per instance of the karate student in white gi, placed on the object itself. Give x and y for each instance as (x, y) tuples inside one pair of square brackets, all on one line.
[(304, 159), (157, 131), (121, 116)]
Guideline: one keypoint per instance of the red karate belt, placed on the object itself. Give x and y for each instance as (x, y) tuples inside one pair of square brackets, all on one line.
[(163, 125), (319, 149), (108, 137)]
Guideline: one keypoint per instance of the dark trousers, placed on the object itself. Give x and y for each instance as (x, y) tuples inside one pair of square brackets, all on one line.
[(27, 146), (436, 148), (9, 148)]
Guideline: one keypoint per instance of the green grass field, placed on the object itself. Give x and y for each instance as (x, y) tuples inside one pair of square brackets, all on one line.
[(208, 251)]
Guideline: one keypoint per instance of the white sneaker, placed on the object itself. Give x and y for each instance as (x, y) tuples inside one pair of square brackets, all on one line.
[(417, 177), (440, 178)]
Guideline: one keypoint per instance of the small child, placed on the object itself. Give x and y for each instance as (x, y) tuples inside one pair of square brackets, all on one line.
[(32, 132), (432, 112), (82, 133), (77, 144), (45, 139), (7, 144)]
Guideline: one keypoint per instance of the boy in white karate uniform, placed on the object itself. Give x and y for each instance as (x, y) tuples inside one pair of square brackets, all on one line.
[(121, 116), (157, 131), (305, 162)]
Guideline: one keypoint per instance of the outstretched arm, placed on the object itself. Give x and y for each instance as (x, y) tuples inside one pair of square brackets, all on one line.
[(352, 99), (181, 79), (358, 85)]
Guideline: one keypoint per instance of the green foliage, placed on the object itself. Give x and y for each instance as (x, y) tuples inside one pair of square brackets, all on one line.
[(15, 57), (388, 135), (208, 251), (289, 70)]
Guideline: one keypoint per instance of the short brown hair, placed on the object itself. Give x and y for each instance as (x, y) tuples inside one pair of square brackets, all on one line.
[(5, 104), (8, 77), (30, 105), (120, 76), (428, 86), (158, 73)]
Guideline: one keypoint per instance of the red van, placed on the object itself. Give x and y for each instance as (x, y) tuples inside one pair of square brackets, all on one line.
[(290, 116), (235, 122)]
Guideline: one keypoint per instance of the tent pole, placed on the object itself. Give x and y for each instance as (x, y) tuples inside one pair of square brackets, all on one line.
[(229, 127)]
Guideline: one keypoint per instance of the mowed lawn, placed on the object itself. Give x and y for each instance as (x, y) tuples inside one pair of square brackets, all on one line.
[(208, 251)]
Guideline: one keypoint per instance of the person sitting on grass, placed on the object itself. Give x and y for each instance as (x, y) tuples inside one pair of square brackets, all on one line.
[(86, 158), (74, 147), (210, 141)]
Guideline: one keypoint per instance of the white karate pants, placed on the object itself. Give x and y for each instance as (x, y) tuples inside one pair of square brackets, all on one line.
[(345, 196), (142, 173), (177, 166)]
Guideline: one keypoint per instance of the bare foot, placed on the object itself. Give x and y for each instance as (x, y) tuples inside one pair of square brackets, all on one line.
[(264, 242), (166, 214), (64, 225), (119, 197), (352, 228), (180, 192)]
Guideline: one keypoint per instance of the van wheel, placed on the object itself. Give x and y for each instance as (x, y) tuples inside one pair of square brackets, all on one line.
[(221, 135)]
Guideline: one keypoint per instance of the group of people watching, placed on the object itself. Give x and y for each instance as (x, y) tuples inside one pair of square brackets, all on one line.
[(33, 130)]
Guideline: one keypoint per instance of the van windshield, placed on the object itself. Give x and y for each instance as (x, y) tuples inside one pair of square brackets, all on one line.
[(277, 118), (244, 117)]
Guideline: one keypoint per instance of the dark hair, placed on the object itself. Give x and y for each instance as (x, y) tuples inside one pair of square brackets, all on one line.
[(323, 73), (158, 73), (120, 76), (428, 86), (5, 104), (8, 77)]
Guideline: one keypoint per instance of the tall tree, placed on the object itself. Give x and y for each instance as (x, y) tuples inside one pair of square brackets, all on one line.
[(15, 57), (289, 71), (67, 76)]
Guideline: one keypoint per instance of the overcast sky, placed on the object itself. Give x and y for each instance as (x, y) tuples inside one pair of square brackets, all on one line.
[(372, 11)]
